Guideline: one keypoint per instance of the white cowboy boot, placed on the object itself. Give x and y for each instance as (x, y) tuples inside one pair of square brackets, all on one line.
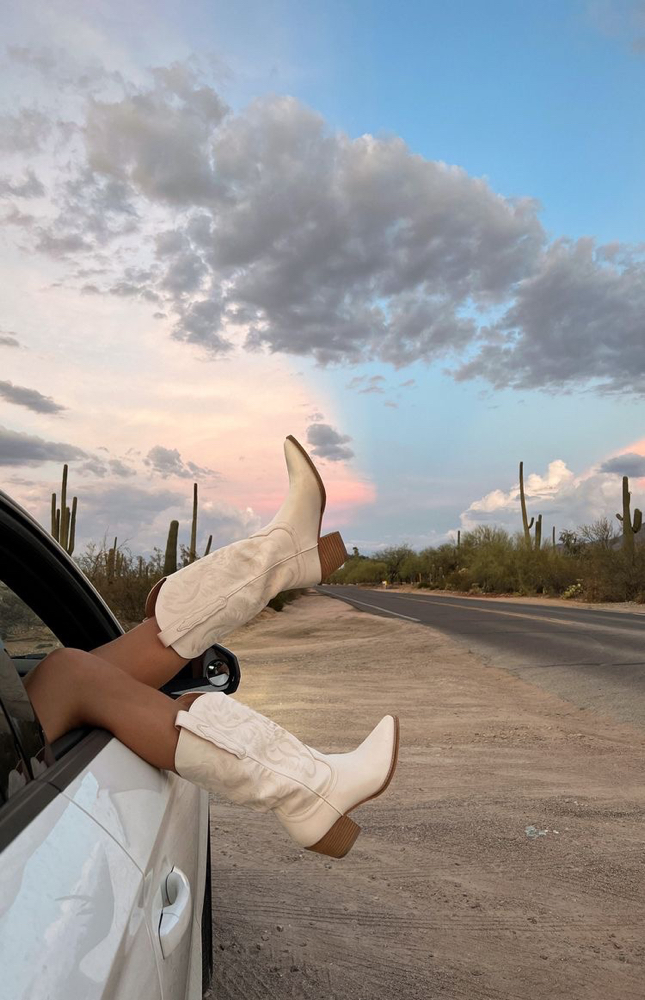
[(204, 601), (227, 747)]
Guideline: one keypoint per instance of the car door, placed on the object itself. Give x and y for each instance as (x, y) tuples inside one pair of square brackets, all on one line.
[(112, 852), (70, 896)]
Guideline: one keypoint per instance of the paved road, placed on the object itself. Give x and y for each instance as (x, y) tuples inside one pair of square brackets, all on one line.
[(595, 659)]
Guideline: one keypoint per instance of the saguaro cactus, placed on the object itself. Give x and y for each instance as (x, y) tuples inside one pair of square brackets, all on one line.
[(192, 552), (525, 521), (553, 536), (170, 560), (630, 528), (63, 526), (111, 562), (538, 532)]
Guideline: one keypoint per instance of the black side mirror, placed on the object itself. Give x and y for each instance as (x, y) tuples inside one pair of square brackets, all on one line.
[(221, 668)]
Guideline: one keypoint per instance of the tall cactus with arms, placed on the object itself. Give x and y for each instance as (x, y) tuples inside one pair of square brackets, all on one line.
[(629, 528), (527, 525), (63, 526)]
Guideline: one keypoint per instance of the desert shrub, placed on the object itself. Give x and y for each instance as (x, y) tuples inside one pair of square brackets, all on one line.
[(395, 558), (367, 571), (440, 564), (531, 570), (359, 569), (459, 579), (411, 569), (558, 571), (123, 583), (492, 560), (484, 535), (340, 576), (601, 533)]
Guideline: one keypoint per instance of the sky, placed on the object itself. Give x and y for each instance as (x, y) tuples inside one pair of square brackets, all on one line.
[(412, 235)]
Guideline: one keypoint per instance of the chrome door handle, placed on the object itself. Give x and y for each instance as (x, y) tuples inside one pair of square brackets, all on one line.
[(176, 915)]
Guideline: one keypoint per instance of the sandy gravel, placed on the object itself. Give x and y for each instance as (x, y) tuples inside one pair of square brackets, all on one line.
[(445, 893)]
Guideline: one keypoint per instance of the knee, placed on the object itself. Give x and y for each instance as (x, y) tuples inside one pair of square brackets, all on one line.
[(64, 664)]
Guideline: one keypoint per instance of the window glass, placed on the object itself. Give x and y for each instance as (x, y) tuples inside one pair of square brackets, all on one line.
[(24, 641), (25, 635)]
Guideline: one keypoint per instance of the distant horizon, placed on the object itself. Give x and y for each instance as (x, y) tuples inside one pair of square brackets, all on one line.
[(516, 533)]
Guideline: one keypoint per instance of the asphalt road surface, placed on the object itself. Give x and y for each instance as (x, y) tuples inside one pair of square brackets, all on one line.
[(594, 659)]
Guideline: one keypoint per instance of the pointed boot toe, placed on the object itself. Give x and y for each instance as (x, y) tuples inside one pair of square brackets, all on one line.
[(359, 776)]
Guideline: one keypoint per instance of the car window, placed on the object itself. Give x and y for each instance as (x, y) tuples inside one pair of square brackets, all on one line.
[(24, 634), (24, 641)]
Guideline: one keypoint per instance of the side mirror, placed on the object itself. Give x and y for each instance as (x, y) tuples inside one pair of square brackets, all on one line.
[(221, 668)]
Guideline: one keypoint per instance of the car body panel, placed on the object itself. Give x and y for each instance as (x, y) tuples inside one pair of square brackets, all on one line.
[(153, 815), (90, 837), (72, 923)]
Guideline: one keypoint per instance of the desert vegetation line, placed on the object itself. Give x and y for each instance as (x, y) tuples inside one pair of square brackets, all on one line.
[(593, 562)]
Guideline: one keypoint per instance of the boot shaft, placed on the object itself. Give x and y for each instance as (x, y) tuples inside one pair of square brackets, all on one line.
[(259, 763)]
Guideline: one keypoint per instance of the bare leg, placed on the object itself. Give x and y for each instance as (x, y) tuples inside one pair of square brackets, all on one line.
[(142, 655), (71, 688)]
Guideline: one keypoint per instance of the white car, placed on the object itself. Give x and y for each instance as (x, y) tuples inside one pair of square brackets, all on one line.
[(105, 866)]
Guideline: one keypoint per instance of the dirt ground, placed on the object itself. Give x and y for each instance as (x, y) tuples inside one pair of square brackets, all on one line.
[(506, 859)]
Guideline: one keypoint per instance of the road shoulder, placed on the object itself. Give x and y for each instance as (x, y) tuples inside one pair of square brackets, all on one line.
[(505, 860)]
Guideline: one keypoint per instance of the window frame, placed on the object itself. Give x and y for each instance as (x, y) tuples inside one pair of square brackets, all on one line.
[(46, 578)]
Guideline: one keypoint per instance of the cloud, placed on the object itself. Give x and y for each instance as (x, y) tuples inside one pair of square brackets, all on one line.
[(61, 71), (627, 464), (408, 384), (60, 246), (366, 385), (168, 462), (126, 510), (265, 227), (140, 518), (19, 448), (30, 398), (562, 497), (328, 443), (373, 385), (577, 318), (30, 187), (159, 140), (24, 132), (15, 217), (119, 468), (99, 468), (92, 467), (227, 523), (393, 406), (8, 339)]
